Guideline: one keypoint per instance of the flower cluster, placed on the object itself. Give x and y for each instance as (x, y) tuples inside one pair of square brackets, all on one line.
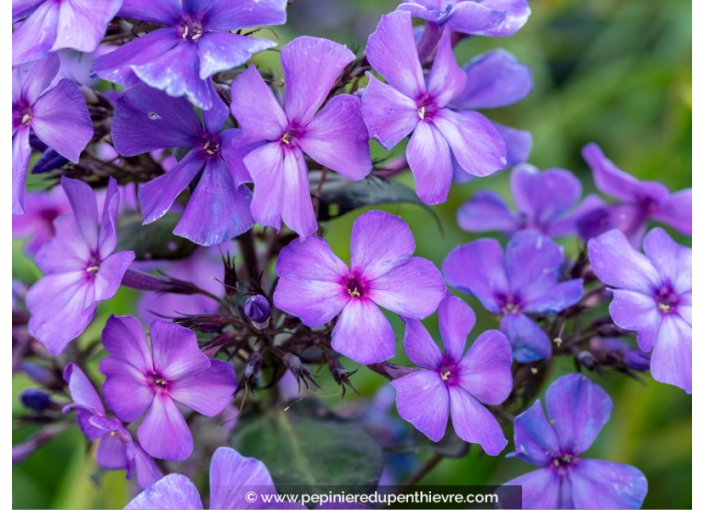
[(195, 147)]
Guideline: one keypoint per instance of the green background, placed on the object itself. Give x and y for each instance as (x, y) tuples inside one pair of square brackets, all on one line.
[(616, 72)]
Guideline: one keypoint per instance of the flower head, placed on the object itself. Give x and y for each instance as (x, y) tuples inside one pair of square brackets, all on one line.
[(79, 265), (315, 285), (52, 25), (116, 449), (196, 43), (524, 281), (57, 116), (653, 296), (147, 119), (639, 202), (577, 410), (335, 137), (545, 202), (455, 381), (140, 379), (493, 18), (408, 103)]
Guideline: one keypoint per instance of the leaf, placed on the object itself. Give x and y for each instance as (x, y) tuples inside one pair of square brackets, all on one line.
[(155, 241), (340, 195), (310, 446), (449, 446)]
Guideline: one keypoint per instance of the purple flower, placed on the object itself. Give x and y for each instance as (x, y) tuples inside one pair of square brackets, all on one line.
[(639, 201), (493, 18), (408, 103), (57, 116), (140, 379), (336, 137), (577, 410), (232, 476), (545, 202), (496, 79), (147, 119), (455, 380), (79, 265), (116, 449), (37, 224), (525, 281), (315, 285), (52, 25), (653, 296), (195, 44)]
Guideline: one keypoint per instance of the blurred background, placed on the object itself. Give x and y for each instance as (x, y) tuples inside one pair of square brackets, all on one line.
[(616, 72)]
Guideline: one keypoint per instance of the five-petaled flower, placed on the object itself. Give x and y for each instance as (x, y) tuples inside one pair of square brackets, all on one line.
[(195, 44), (336, 137), (57, 116), (148, 119), (315, 285), (140, 379), (577, 410), (79, 265), (455, 381), (653, 296), (408, 103), (526, 280)]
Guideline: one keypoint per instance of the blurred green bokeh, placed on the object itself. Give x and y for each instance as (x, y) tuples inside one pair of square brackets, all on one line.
[(616, 72)]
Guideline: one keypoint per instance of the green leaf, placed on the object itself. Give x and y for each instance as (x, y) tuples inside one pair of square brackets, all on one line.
[(308, 446), (154, 241), (451, 445)]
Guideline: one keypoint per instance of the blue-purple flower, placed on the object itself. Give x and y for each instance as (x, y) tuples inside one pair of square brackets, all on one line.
[(493, 18), (37, 224), (315, 285), (653, 296), (80, 268), (545, 202), (577, 410), (638, 202), (524, 281), (335, 137), (148, 119), (52, 25), (408, 103), (455, 381), (196, 43), (139, 379), (116, 449), (58, 116)]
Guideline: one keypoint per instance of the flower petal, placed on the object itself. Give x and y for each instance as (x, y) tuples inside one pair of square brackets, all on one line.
[(422, 399), (535, 440), (255, 107), (413, 290), (420, 347), (231, 474), (474, 141), (518, 143), (578, 409), (234, 147), (528, 340), (222, 51), (266, 166), (494, 79), (602, 484), (208, 392), (556, 298), (297, 208), (485, 371), (21, 152), (676, 211), (60, 119), (237, 14), (29, 81), (618, 264), (111, 453), (363, 333), (148, 473), (379, 243), (164, 433), (217, 210), (164, 12), (311, 67), (477, 268), (389, 115), (456, 320), (673, 261), (473, 18), (447, 79), (175, 351), (36, 35), (124, 339), (637, 312), (85, 399), (172, 491), (391, 51), (430, 160), (124, 379), (337, 138), (91, 17), (671, 359), (517, 13), (109, 277), (487, 211), (474, 423), (540, 489)]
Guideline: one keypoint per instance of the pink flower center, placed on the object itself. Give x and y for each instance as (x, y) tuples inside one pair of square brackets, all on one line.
[(426, 107), (667, 300), (354, 287), (158, 382), (563, 463)]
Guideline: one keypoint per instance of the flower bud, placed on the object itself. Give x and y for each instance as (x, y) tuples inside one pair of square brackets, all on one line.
[(298, 369), (258, 310), (36, 400), (636, 359), (251, 372)]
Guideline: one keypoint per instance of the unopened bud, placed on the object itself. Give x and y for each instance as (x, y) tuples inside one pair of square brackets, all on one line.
[(36, 400), (637, 360), (298, 369), (257, 309), (341, 375), (251, 372), (587, 359)]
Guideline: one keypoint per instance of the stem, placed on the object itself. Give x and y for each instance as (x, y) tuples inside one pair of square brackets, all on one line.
[(423, 471), (246, 242)]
